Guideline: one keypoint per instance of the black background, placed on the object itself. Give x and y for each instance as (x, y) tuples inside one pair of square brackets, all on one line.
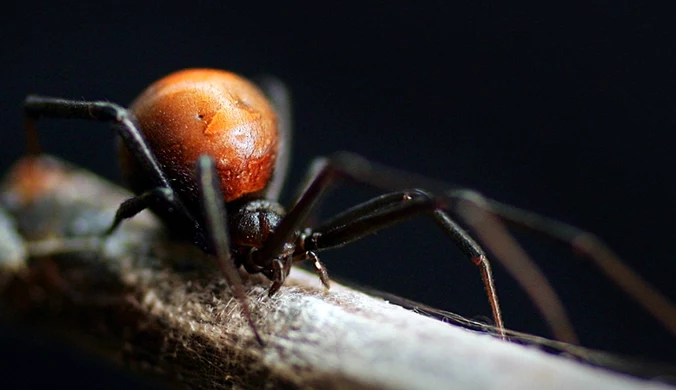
[(567, 111)]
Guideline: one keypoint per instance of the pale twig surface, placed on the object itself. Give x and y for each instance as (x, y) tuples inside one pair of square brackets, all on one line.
[(161, 309)]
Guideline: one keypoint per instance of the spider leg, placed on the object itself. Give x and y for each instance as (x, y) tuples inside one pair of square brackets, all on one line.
[(486, 218), (479, 211), (280, 97), (393, 208), (484, 214), (36, 107), (217, 228), (373, 216), (132, 206)]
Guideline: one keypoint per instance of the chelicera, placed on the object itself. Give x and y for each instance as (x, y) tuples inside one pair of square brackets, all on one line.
[(208, 152)]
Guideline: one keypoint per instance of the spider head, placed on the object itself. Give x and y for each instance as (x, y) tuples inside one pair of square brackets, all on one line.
[(253, 221)]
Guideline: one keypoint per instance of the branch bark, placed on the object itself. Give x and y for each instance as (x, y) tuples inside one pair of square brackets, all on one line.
[(160, 308)]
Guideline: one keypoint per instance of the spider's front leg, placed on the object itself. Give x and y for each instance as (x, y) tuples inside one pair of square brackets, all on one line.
[(368, 218), (390, 209), (487, 218), (217, 231)]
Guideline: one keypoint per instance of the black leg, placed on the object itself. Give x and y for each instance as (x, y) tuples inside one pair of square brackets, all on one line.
[(130, 207), (390, 209), (217, 228), (318, 178), (478, 258), (380, 213), (36, 107), (485, 217), (479, 212), (482, 215), (280, 97)]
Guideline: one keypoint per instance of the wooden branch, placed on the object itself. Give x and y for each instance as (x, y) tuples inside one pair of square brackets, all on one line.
[(162, 309)]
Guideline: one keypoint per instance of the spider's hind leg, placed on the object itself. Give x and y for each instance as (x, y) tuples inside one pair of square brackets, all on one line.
[(37, 107)]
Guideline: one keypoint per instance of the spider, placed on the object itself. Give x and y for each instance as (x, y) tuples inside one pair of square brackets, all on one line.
[(208, 153)]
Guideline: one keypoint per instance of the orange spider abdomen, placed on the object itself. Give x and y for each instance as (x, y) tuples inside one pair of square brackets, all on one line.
[(205, 111)]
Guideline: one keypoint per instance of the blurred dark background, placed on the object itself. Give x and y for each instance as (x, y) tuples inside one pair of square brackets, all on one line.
[(564, 110)]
